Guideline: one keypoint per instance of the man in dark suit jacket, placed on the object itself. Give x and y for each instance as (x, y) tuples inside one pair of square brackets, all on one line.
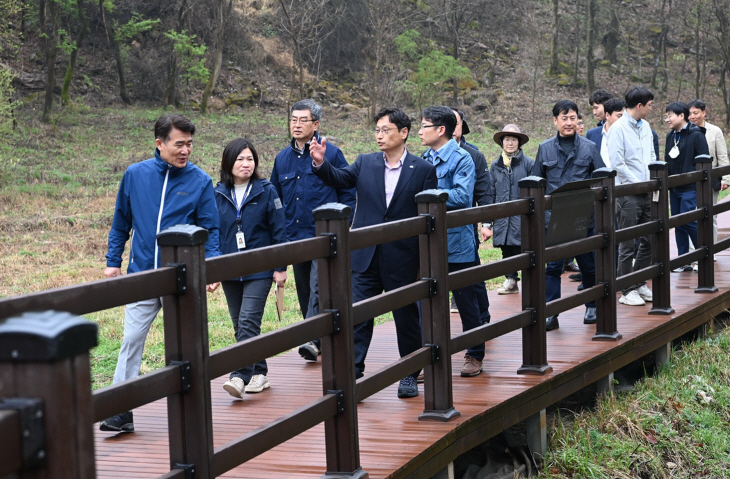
[(386, 183)]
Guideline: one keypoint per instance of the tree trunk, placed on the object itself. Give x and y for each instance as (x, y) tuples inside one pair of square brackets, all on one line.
[(111, 38), (170, 88), (612, 37), (554, 63), (576, 66), (697, 51), (74, 53), (455, 97), (219, 38), (590, 79), (51, 51), (659, 47)]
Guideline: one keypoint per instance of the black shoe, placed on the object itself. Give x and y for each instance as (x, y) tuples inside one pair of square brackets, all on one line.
[(309, 351), (590, 317), (576, 277), (581, 287), (571, 266), (551, 323), (123, 422), (407, 387)]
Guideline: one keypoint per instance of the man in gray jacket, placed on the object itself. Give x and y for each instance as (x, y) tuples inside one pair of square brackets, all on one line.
[(630, 146)]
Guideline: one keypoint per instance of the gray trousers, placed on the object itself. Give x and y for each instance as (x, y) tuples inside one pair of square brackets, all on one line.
[(138, 318), (632, 211)]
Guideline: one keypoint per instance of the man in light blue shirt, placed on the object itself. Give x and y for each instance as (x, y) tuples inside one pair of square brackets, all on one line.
[(456, 175), (630, 150)]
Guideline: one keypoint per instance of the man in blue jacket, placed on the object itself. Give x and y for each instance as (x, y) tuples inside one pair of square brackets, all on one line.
[(565, 158), (387, 183), (301, 191), (154, 195), (456, 175)]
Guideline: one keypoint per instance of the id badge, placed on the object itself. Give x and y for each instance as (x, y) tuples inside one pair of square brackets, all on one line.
[(240, 240), (674, 152)]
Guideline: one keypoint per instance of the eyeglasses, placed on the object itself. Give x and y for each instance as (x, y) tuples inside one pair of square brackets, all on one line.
[(423, 127), (301, 121), (384, 131)]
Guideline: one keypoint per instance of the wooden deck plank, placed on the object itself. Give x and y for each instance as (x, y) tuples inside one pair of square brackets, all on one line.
[(391, 437)]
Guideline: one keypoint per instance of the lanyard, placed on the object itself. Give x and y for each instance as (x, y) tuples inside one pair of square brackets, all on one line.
[(676, 140), (235, 203)]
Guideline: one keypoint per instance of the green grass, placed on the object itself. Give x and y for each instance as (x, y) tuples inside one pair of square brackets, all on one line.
[(663, 428)]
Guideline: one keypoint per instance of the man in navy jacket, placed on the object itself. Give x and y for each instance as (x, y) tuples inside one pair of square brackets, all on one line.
[(155, 194), (386, 184), (301, 191)]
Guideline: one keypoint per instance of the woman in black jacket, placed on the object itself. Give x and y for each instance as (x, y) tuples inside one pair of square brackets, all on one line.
[(251, 217), (507, 170)]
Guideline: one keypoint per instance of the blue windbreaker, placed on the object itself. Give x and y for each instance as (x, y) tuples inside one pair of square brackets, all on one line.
[(153, 196)]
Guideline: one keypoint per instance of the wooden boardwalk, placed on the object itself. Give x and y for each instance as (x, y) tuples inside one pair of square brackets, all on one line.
[(393, 443)]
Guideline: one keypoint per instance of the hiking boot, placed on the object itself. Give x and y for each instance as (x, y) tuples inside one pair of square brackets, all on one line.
[(645, 293), (632, 299), (407, 388), (453, 307), (309, 351), (551, 323), (123, 422), (235, 387), (472, 367), (509, 287), (257, 384)]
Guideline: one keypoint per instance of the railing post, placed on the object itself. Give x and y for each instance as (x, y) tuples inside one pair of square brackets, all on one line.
[(338, 351), (661, 285), (435, 316), (534, 337), (189, 415), (705, 236), (45, 375), (606, 326)]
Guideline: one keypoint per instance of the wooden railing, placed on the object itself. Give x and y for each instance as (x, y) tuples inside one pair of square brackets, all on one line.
[(40, 437)]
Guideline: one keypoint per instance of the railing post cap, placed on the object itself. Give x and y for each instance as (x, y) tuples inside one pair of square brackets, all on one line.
[(703, 159), (432, 196), (604, 173), (532, 182), (45, 336), (331, 211), (182, 235), (657, 165)]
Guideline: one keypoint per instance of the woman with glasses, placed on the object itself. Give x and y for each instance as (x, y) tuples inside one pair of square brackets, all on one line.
[(251, 216)]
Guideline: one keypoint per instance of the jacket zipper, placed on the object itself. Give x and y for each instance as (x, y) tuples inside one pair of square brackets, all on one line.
[(159, 214)]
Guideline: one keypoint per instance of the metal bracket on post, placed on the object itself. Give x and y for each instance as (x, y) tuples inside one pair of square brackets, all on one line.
[(605, 240), (431, 286), (180, 276), (705, 176), (658, 184), (661, 269), (605, 288), (430, 222), (661, 226), (188, 468), (604, 190), (435, 352), (533, 263), (531, 205), (340, 399), (707, 251), (707, 213), (32, 430), (185, 375), (335, 319), (533, 315), (333, 244)]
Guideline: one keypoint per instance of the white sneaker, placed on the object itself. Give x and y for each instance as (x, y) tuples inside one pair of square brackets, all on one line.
[(645, 293), (509, 287), (683, 269), (632, 299), (235, 387), (695, 267), (257, 384)]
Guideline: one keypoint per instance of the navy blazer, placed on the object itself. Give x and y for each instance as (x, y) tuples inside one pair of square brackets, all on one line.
[(367, 175)]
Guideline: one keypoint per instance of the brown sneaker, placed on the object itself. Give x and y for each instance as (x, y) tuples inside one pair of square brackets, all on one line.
[(472, 367)]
